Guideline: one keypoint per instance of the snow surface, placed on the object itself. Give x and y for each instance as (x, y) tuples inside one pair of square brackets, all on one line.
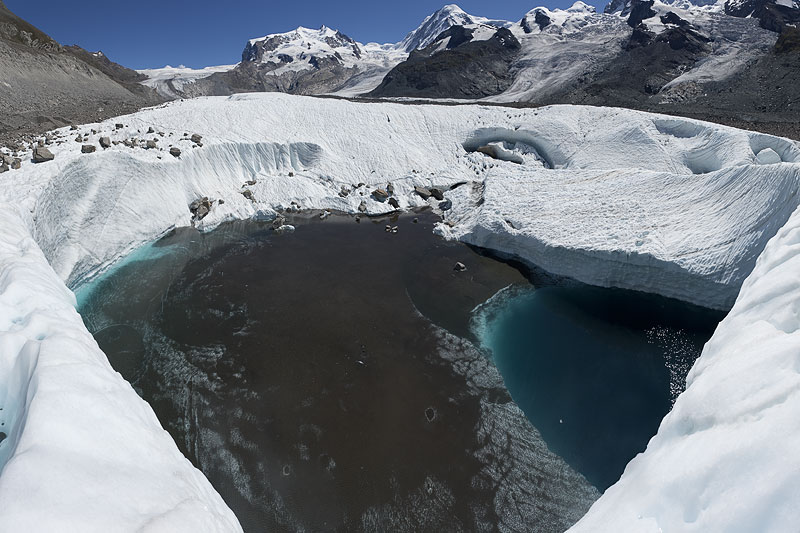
[(609, 196)]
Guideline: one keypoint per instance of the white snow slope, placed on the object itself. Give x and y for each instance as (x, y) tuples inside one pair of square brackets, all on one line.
[(167, 80), (612, 197)]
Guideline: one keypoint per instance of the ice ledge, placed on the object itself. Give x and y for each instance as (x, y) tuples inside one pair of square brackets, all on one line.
[(726, 457), (83, 451)]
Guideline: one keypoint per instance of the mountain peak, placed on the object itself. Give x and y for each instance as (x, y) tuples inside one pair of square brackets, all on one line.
[(439, 21)]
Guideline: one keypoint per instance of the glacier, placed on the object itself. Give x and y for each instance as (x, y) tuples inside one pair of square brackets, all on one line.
[(608, 196)]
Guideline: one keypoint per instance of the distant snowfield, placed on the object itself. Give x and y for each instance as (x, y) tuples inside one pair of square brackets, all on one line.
[(167, 80), (612, 197)]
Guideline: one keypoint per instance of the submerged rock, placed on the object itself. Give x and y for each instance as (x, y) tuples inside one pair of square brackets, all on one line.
[(460, 267)]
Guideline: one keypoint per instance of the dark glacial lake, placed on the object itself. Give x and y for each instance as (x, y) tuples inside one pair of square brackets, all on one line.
[(341, 378)]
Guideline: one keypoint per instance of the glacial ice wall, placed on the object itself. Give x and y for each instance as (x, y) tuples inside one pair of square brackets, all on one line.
[(612, 197), (726, 457), (80, 450)]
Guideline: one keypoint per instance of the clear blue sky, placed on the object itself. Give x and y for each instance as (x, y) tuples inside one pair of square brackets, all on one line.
[(148, 33)]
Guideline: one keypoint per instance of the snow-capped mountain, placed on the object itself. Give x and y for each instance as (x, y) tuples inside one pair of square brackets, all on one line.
[(569, 20), (658, 55), (450, 15), (309, 61)]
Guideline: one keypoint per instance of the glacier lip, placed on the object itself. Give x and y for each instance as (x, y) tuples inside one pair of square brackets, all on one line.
[(733, 435), (612, 197), (83, 450)]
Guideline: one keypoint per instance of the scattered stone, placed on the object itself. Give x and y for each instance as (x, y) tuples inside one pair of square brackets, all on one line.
[(105, 142), (423, 192), (438, 194), (250, 183), (200, 208), (150, 145), (73, 127), (394, 203), (150, 130), (291, 174), (380, 195), (220, 201), (176, 152), (460, 267), (415, 221), (114, 143), (118, 126), (42, 154), (40, 143), (88, 149), (16, 163), (247, 193), (161, 134), (3, 168), (446, 205), (79, 139), (94, 132), (362, 184), (325, 214), (362, 207), (199, 145), (390, 189), (358, 219), (6, 159), (343, 192), (196, 138)]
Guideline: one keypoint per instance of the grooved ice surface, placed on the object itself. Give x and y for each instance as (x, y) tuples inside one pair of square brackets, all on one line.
[(611, 197)]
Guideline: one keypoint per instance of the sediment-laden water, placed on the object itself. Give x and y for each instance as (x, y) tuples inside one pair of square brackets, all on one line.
[(298, 373), (328, 379)]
